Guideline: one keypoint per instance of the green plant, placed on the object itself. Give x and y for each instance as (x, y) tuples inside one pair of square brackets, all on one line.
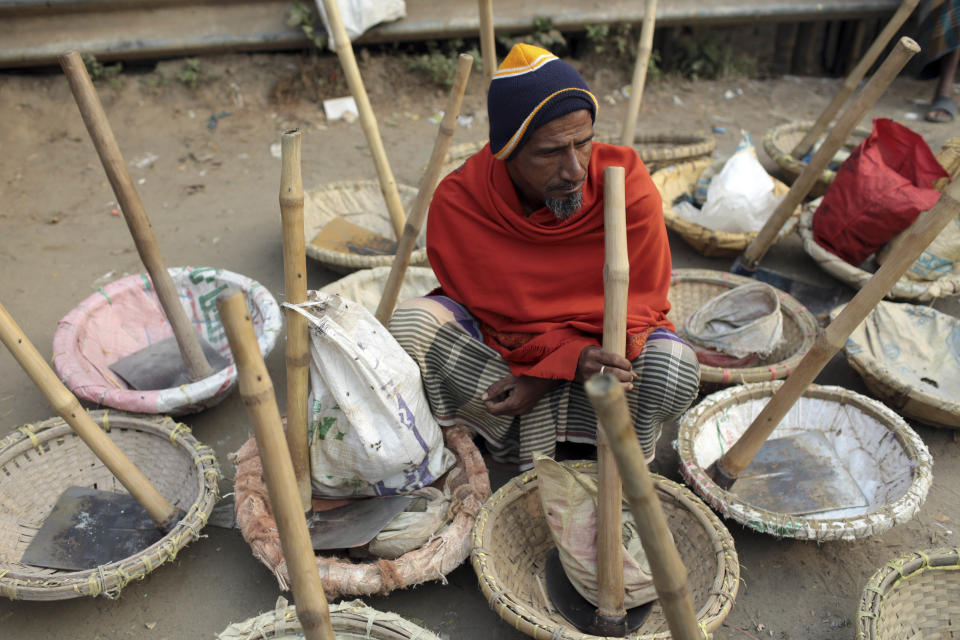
[(308, 19), (440, 62), (543, 35), (617, 41), (99, 71), (191, 73), (705, 55)]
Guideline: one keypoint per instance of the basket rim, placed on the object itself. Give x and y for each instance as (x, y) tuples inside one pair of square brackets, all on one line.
[(725, 585), (782, 525), (339, 260), (710, 242), (891, 575), (904, 289), (788, 304), (110, 579), (783, 158), (687, 145)]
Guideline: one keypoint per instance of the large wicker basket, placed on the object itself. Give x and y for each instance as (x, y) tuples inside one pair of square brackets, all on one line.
[(351, 620), (41, 460), (360, 202), (511, 541), (915, 597), (443, 553), (888, 461), (125, 316), (676, 180), (692, 288), (779, 141), (366, 287), (916, 382), (904, 289)]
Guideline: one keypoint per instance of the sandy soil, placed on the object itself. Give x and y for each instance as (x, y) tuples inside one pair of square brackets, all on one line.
[(211, 188)]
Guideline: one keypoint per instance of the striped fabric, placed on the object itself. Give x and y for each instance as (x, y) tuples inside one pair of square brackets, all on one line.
[(457, 368)]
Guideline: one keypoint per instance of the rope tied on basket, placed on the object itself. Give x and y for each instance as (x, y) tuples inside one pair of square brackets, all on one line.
[(389, 576), (27, 430), (178, 429), (8, 590), (105, 422)]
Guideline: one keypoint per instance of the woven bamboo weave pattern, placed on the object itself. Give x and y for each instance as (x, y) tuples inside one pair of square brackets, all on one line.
[(38, 461)]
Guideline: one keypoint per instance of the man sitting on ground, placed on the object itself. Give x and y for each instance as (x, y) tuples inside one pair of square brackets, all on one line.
[(516, 239)]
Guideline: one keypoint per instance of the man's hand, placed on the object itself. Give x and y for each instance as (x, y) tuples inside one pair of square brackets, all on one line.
[(596, 360), (513, 396)]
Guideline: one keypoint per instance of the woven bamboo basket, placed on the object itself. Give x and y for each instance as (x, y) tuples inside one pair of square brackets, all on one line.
[(342, 576), (915, 597), (887, 459), (366, 287), (39, 461), (676, 180), (692, 288), (909, 357), (779, 141), (904, 289), (352, 620), (511, 541), (125, 316), (360, 202)]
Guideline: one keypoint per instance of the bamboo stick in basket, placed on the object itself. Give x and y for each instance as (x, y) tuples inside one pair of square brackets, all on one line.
[(367, 119), (295, 286), (640, 71), (488, 47), (920, 234), (428, 184), (256, 389)]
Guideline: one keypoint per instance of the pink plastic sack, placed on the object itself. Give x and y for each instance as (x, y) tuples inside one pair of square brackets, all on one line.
[(878, 192)]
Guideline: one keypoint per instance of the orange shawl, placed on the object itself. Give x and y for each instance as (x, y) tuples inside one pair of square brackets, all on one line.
[(534, 284)]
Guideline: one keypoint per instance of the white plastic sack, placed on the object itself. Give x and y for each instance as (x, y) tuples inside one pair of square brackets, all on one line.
[(740, 198), (371, 430), (413, 527), (742, 321), (360, 15)]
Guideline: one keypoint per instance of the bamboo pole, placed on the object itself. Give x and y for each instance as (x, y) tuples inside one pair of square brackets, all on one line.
[(856, 75), (488, 47), (640, 71), (428, 184), (669, 573), (94, 117), (295, 285), (902, 52), (616, 279), (164, 514), (920, 234), (256, 389), (367, 119)]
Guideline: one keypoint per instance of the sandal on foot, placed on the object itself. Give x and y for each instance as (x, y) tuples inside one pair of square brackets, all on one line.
[(943, 104)]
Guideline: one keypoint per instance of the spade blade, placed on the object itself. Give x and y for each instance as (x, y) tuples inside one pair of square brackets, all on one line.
[(160, 365)]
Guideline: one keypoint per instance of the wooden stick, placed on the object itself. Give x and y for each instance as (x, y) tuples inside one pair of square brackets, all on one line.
[(428, 184), (669, 574), (616, 280), (902, 52), (640, 71), (295, 284), (856, 75), (488, 47), (367, 119), (91, 110), (920, 234), (68, 407), (256, 389)]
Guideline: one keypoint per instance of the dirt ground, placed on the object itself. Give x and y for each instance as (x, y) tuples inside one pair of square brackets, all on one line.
[(202, 161)]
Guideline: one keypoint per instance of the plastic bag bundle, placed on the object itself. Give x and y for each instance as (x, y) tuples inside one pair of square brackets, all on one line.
[(743, 321), (412, 528), (569, 500), (371, 430)]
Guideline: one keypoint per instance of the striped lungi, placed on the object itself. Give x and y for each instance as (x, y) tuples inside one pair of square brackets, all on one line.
[(457, 367)]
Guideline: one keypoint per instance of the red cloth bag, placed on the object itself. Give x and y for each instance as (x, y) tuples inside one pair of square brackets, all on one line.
[(878, 192)]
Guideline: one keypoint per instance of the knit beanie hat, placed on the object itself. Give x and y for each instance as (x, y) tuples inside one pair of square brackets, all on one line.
[(530, 88)]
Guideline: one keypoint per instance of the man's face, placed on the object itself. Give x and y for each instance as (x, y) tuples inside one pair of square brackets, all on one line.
[(551, 167)]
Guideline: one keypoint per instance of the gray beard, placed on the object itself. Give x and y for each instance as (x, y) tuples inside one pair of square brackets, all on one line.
[(563, 208)]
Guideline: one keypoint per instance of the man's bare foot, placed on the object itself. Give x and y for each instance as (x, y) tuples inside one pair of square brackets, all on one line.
[(942, 109)]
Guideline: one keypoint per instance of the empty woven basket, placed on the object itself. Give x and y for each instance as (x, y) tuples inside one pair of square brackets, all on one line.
[(692, 288), (676, 180), (661, 149), (361, 203), (351, 620), (511, 540), (915, 597), (780, 140), (366, 287), (443, 553), (41, 460)]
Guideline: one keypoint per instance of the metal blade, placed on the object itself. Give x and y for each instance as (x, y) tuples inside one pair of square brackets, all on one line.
[(160, 365), (354, 524)]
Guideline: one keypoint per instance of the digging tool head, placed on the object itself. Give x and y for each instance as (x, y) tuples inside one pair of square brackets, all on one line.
[(160, 365), (345, 237), (88, 527), (354, 524), (576, 610)]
